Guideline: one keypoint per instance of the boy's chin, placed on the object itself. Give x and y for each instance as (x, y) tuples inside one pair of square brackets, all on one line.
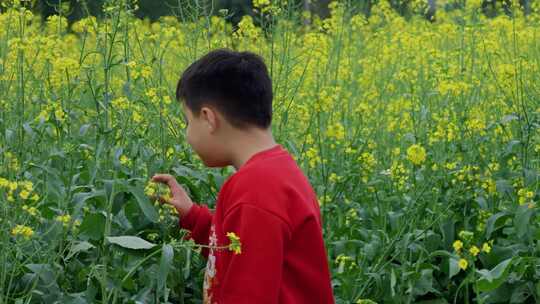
[(214, 163)]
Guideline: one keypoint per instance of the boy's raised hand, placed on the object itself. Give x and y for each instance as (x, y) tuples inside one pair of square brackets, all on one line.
[(180, 200)]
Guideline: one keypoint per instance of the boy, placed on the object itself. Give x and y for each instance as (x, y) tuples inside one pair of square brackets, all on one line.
[(268, 202)]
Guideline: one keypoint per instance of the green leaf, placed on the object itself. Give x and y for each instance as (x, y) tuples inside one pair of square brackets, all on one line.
[(510, 147), (81, 197), (28, 129), (508, 118), (424, 284), (83, 129), (482, 202), (183, 171), (167, 255), (79, 247), (187, 264), (93, 226), (130, 242), (453, 267), (504, 187), (495, 222), (43, 271), (437, 301), (522, 219), (448, 231), (144, 203), (490, 280), (393, 282)]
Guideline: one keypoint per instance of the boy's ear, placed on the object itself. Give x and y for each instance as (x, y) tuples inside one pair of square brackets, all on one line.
[(210, 118)]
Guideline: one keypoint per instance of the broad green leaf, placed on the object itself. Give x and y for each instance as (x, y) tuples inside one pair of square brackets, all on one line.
[(28, 129), (144, 203), (453, 267), (495, 222), (79, 247), (491, 279), (432, 241), (165, 264), (522, 219), (448, 231), (75, 298), (425, 284), (183, 171), (43, 271), (437, 301), (508, 118), (83, 129), (504, 187), (482, 202), (511, 147), (80, 198), (93, 226), (130, 242)]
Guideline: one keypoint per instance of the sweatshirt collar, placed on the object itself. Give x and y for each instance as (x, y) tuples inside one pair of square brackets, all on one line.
[(263, 153)]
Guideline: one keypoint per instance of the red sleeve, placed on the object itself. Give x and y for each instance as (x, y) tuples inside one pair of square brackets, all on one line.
[(254, 275), (198, 221)]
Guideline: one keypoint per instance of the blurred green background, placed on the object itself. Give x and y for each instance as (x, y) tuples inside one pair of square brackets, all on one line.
[(153, 9), (235, 9)]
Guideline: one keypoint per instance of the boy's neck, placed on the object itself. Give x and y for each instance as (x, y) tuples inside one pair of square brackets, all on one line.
[(249, 143)]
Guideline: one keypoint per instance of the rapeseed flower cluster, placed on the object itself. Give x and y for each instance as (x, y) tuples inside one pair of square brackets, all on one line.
[(470, 255)]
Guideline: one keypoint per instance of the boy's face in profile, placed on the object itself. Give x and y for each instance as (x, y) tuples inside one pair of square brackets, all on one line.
[(222, 112), (202, 136)]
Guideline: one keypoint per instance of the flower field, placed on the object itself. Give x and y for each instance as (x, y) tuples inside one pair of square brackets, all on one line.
[(420, 137)]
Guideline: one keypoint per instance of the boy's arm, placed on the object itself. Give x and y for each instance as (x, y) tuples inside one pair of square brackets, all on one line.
[(254, 275)]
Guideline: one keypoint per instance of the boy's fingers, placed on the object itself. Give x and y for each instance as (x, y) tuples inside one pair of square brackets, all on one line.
[(164, 200), (170, 181), (161, 199), (161, 178)]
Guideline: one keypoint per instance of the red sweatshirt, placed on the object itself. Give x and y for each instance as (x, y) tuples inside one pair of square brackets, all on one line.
[(271, 206)]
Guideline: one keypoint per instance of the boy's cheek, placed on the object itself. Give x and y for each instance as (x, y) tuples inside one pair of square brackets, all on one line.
[(193, 140)]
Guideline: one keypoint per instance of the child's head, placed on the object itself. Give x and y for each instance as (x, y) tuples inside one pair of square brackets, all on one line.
[(224, 94)]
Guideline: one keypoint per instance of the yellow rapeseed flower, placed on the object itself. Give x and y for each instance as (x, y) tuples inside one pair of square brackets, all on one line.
[(4, 183), (474, 250), (416, 154), (13, 186), (457, 245), (150, 189), (336, 131), (235, 244), (31, 210), (28, 185), (64, 219), (486, 248), (22, 230), (59, 114), (124, 160), (260, 3), (24, 194), (463, 264)]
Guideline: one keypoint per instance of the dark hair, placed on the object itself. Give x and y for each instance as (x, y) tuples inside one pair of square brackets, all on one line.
[(236, 83)]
